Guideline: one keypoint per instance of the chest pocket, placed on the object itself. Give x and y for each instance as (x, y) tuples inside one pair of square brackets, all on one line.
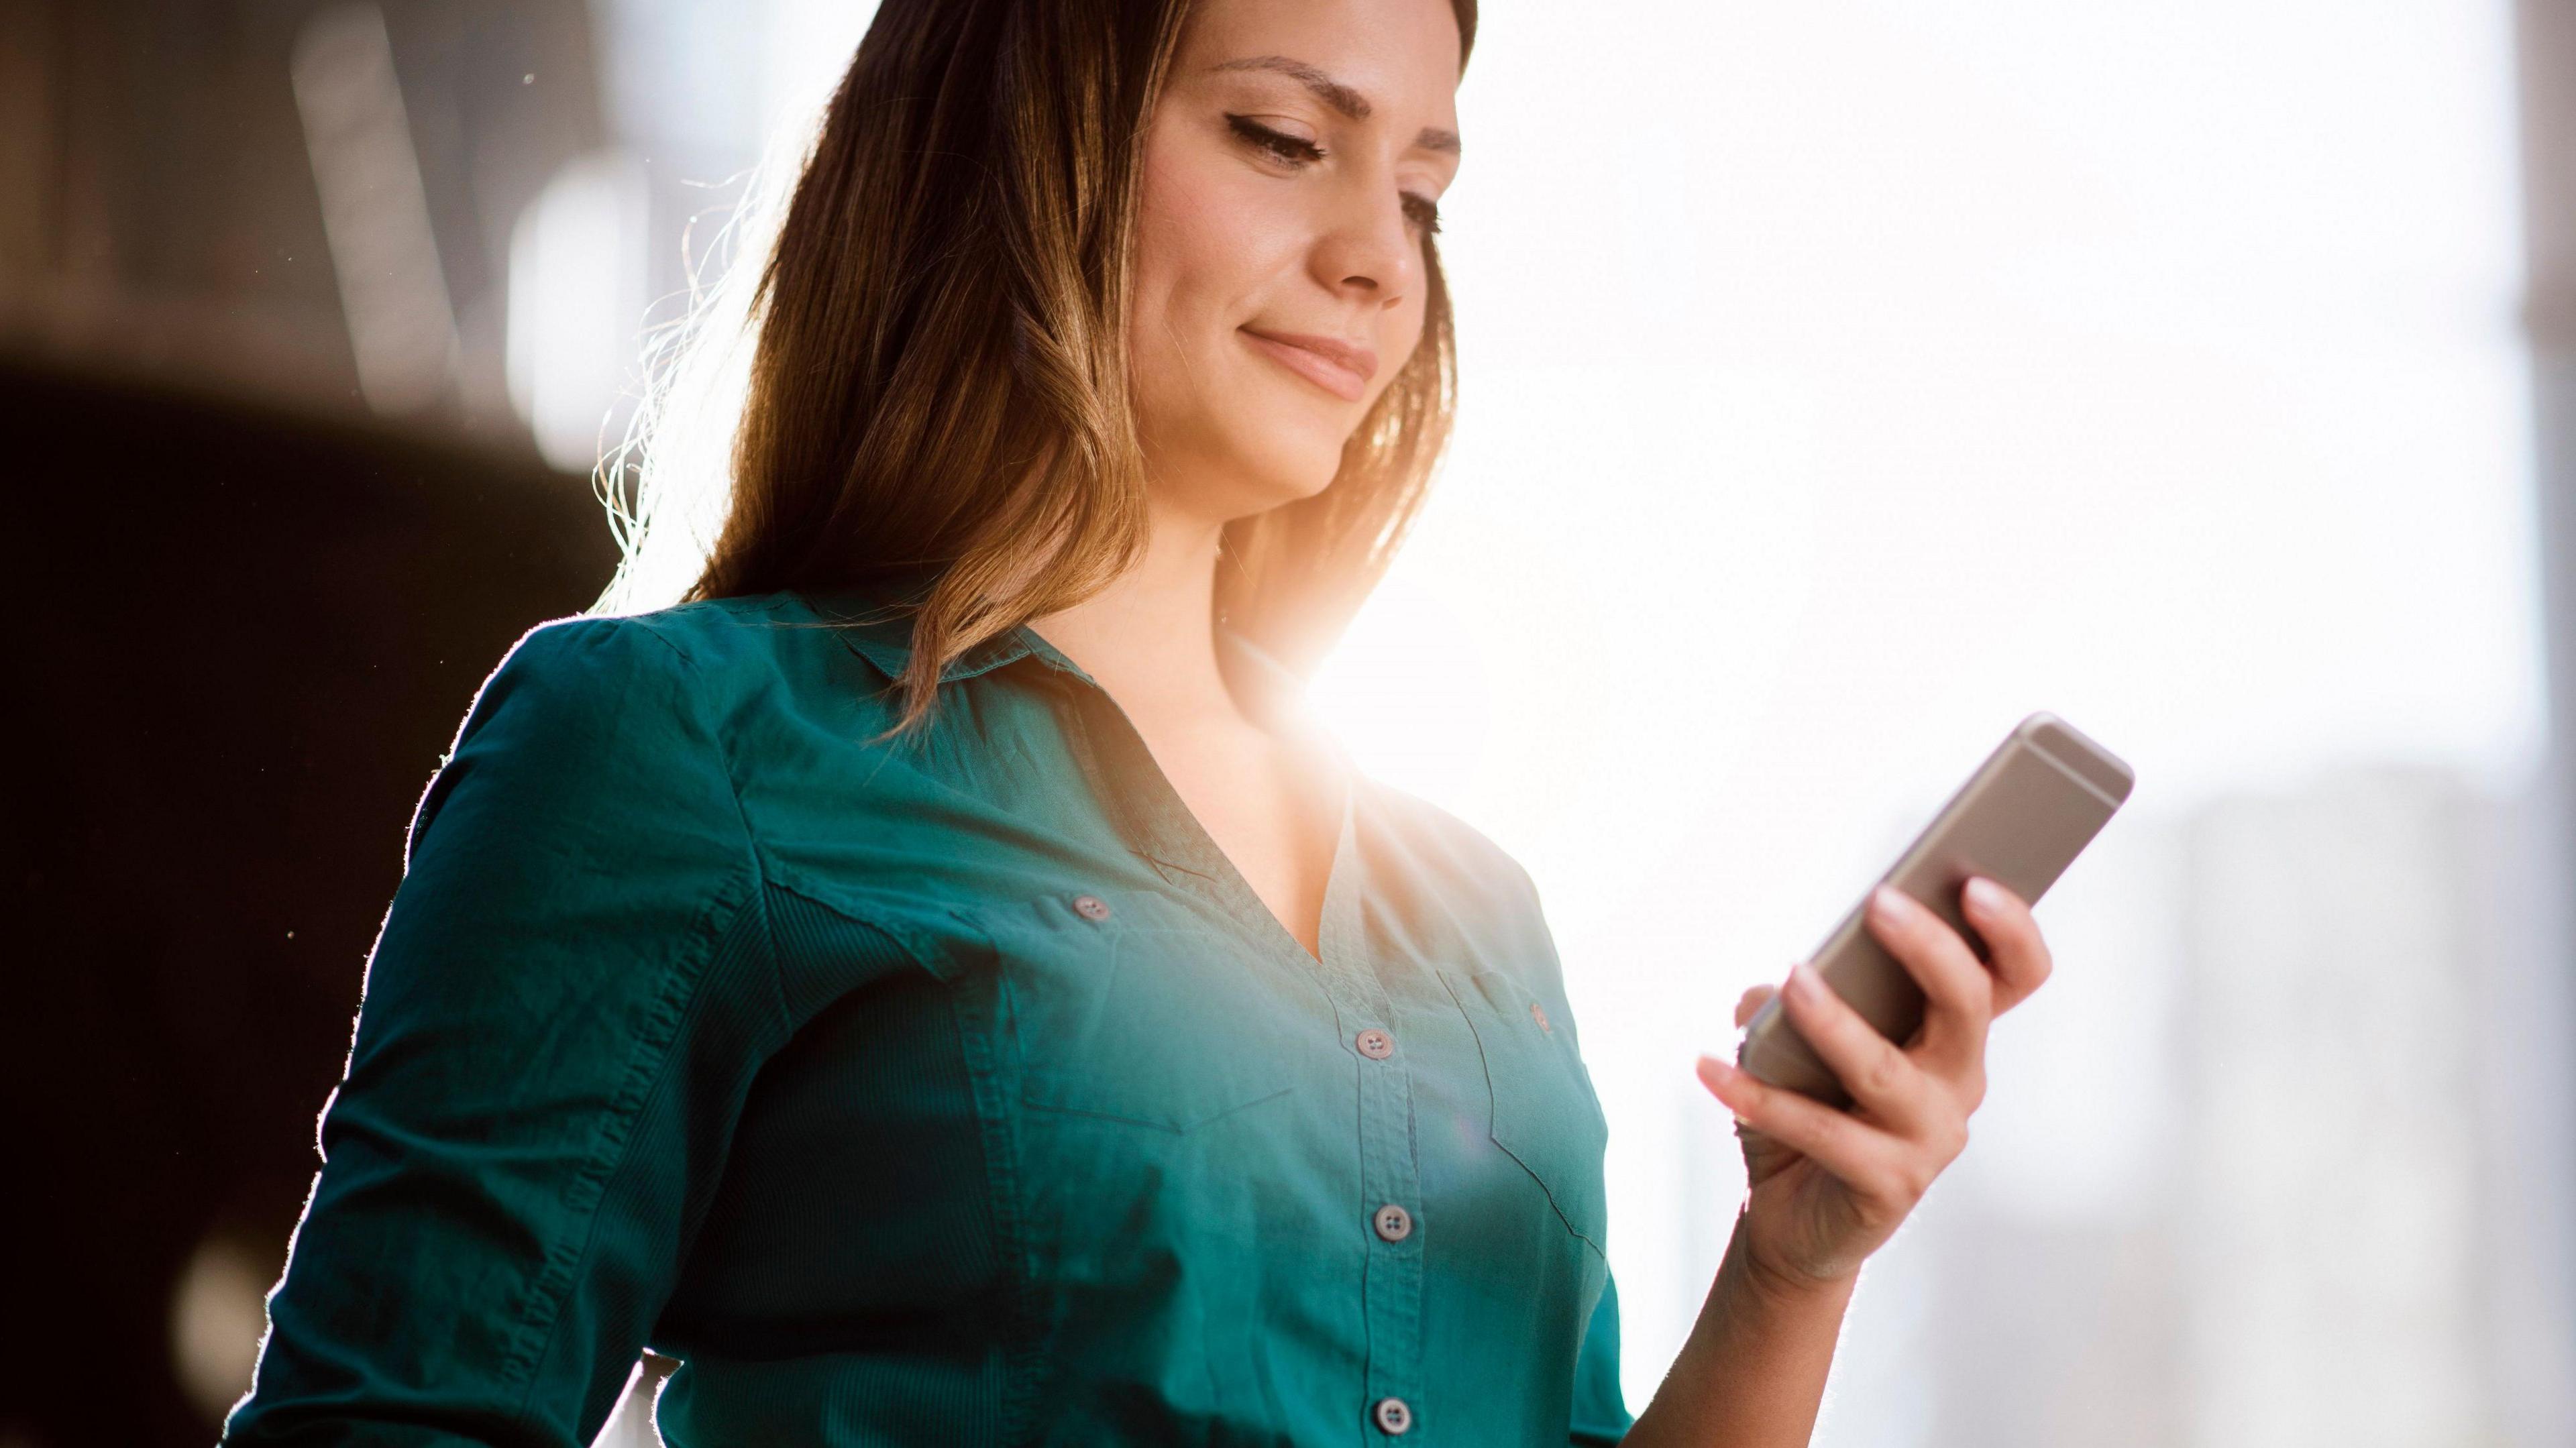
[(1545, 1115), (1123, 1010)]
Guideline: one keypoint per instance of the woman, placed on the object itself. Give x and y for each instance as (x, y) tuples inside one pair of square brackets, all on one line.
[(930, 985)]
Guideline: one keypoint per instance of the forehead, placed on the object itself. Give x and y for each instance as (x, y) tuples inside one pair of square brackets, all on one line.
[(1401, 54)]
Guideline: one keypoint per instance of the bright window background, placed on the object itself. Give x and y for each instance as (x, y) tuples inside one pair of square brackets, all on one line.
[(1844, 380)]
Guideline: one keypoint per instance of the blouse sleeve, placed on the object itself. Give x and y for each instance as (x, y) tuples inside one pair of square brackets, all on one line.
[(1600, 1413), (562, 1015)]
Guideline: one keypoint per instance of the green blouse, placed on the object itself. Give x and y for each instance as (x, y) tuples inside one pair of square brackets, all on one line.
[(950, 1091)]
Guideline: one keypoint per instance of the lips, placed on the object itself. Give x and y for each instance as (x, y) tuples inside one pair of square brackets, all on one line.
[(1340, 368)]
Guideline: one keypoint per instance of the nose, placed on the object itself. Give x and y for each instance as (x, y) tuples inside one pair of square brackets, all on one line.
[(1368, 251)]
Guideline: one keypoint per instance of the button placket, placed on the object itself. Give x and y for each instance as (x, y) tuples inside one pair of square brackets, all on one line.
[(1390, 1176), (1159, 829)]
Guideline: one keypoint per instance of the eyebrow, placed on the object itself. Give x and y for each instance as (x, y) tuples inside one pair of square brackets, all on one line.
[(1337, 95)]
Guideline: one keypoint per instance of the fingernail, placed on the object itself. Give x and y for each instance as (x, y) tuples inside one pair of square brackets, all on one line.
[(1984, 894), (1802, 980), (1888, 904), (1718, 1074)]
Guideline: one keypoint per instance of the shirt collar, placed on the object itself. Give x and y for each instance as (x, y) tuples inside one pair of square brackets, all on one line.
[(869, 619)]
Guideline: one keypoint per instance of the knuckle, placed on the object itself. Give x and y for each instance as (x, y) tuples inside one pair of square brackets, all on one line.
[(1977, 987), (1884, 1073), (1901, 1185), (1826, 1134)]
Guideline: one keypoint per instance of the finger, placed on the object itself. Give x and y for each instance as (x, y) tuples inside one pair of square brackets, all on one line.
[(1860, 1156), (1880, 1078), (2021, 959), (1956, 985), (1751, 1004)]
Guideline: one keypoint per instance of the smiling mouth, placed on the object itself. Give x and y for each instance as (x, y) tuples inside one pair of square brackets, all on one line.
[(1335, 366)]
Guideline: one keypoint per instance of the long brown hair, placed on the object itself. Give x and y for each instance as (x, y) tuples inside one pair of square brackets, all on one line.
[(939, 375)]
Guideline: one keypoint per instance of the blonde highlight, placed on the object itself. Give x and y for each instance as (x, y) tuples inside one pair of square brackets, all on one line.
[(938, 371)]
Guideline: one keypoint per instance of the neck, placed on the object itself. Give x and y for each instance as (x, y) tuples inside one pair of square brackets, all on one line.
[(1150, 636)]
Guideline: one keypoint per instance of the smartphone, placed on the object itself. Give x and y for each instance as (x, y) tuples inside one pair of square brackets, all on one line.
[(2020, 820)]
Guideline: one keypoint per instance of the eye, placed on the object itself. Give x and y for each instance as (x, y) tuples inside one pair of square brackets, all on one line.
[(1291, 150), (1423, 212)]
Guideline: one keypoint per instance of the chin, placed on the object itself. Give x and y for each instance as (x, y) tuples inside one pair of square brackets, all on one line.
[(1239, 462), (1235, 473), (1293, 456), (1290, 472)]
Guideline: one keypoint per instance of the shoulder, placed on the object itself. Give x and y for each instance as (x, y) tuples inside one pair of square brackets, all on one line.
[(1458, 862), (595, 699), (713, 641), (666, 667), (1436, 836), (569, 686), (728, 691), (595, 728)]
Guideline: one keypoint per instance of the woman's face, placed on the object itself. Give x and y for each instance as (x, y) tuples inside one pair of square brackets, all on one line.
[(1291, 171)]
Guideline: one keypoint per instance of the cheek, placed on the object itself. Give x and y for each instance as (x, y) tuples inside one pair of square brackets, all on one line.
[(1209, 246), (1181, 261), (1166, 312)]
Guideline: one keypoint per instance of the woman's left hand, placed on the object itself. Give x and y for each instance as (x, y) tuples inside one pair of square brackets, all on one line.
[(1829, 1186)]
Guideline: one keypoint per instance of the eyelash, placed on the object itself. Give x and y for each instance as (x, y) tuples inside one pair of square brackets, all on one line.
[(1291, 150)]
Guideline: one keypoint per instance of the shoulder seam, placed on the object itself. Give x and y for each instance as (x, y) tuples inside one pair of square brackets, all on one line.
[(742, 810), (541, 1322), (652, 629)]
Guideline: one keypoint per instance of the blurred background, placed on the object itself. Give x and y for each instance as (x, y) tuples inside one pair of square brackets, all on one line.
[(1842, 381)]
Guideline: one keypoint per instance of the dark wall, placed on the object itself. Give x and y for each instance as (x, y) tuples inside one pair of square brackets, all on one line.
[(242, 641)]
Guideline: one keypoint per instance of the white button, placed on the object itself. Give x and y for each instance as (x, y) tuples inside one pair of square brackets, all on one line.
[(1375, 1044), (1090, 907), (1393, 1416), (1393, 1223)]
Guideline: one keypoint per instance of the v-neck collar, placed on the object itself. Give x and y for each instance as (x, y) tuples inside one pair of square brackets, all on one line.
[(1176, 829), (873, 620)]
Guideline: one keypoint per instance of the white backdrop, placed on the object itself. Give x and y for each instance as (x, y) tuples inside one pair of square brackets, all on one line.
[(1844, 380)]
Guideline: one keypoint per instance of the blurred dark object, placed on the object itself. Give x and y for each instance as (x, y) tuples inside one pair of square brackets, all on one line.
[(159, 207), (279, 512), (252, 637)]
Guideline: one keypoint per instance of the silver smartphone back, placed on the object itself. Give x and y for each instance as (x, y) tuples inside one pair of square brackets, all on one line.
[(2020, 820)]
